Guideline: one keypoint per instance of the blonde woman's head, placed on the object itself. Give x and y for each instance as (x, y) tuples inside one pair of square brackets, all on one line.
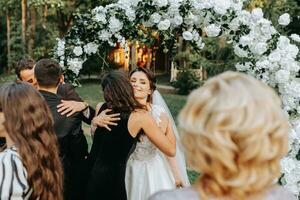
[(235, 133)]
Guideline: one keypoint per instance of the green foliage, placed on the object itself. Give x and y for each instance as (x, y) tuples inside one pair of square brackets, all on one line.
[(187, 80)]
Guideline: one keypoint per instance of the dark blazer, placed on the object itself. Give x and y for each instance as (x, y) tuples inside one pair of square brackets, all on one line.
[(73, 147)]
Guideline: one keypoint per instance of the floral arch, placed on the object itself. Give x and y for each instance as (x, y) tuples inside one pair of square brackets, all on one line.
[(264, 52)]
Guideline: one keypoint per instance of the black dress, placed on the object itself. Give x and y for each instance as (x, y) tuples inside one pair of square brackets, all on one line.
[(109, 154)]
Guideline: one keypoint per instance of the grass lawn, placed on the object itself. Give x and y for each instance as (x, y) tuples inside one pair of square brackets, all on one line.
[(92, 93)]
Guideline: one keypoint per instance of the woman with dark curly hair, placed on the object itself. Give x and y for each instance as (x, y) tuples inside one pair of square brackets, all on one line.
[(29, 165)]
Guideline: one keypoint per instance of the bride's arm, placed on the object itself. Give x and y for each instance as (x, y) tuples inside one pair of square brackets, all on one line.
[(143, 120), (165, 122)]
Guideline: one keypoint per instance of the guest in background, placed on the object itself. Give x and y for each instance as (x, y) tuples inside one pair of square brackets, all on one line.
[(234, 133), (71, 101), (29, 166)]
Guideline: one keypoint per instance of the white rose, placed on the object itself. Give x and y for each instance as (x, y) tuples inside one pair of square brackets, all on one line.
[(275, 56), (292, 50), (282, 76), (221, 7), (178, 20), (164, 25), (189, 20), (243, 66), (212, 30), (287, 164), (75, 65), (257, 14), (187, 35), (283, 42), (104, 35), (234, 24), (90, 48), (77, 51), (259, 48), (284, 19), (155, 18), (245, 40), (295, 37), (101, 17), (160, 3), (240, 52), (115, 25), (263, 64)]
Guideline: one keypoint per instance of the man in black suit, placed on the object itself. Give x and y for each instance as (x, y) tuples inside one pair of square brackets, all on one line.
[(73, 145)]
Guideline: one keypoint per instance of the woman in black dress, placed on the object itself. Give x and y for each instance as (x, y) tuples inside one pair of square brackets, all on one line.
[(111, 149)]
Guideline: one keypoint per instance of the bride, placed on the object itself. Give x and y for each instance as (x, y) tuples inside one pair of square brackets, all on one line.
[(148, 169)]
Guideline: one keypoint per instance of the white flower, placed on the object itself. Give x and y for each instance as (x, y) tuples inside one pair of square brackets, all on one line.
[(292, 50), (115, 25), (187, 35), (240, 52), (283, 42), (200, 44), (155, 18), (282, 76), (178, 20), (221, 7), (130, 13), (75, 65), (295, 37), (234, 24), (212, 30), (101, 17), (164, 25), (243, 66), (275, 56), (77, 51), (160, 3), (104, 35), (60, 51), (245, 40), (257, 14), (284, 19), (259, 48), (90, 48), (287, 164), (189, 19)]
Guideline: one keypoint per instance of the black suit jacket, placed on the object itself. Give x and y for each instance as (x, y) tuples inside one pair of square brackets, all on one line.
[(72, 143)]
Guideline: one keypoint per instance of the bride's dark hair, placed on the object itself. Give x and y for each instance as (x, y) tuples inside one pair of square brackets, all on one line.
[(29, 123)]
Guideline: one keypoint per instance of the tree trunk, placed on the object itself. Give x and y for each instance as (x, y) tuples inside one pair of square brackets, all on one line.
[(32, 29), (8, 41), (64, 23), (24, 10), (45, 14)]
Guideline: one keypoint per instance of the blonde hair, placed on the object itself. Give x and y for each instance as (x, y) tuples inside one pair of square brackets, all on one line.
[(235, 134)]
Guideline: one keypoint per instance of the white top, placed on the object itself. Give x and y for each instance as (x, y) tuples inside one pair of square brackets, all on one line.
[(13, 176), (276, 193)]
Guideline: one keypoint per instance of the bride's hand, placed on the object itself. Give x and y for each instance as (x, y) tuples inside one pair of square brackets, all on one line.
[(178, 184)]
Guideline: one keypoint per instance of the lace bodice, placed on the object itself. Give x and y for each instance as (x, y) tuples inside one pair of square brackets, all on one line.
[(145, 150)]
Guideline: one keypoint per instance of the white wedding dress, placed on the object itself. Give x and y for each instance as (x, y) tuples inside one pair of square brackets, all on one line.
[(148, 170)]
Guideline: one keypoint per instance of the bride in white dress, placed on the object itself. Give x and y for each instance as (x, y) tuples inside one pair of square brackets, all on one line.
[(149, 170)]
